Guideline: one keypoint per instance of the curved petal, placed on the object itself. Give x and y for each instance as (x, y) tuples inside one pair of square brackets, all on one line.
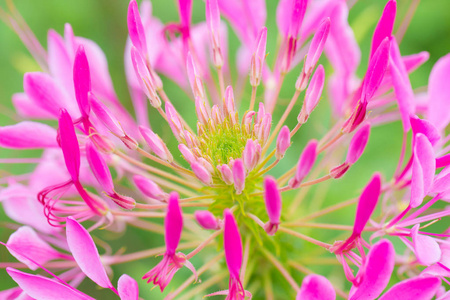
[(426, 248), (419, 288), (127, 288), (438, 91), (28, 135), (316, 287)]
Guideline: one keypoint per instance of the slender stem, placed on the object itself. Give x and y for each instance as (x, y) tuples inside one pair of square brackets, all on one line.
[(268, 168), (329, 209), (200, 271), (406, 20), (161, 206), (316, 181), (163, 96), (162, 113), (155, 170), (281, 269), (296, 128), (402, 156), (204, 285), (268, 288), (204, 244), (331, 142), (304, 237), (139, 214), (253, 99), (164, 163), (196, 198), (423, 208), (149, 226), (322, 225), (281, 121)]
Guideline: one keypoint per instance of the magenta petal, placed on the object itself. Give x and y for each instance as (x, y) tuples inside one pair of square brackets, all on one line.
[(43, 288), (69, 144), (136, 29), (99, 168), (305, 163), (384, 26), (85, 253), (82, 80), (28, 135), (24, 239), (358, 144), (314, 90), (232, 244), (423, 170), (375, 71), (377, 271), (272, 199), (366, 204), (427, 249), (206, 219), (419, 288), (105, 116), (185, 10), (425, 127), (317, 45), (173, 224), (413, 61), (316, 287), (239, 175), (127, 288), (28, 109), (438, 91)]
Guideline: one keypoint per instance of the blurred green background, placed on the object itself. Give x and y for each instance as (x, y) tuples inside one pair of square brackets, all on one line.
[(104, 21)]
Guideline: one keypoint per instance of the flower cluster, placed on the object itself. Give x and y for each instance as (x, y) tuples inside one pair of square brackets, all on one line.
[(212, 194)]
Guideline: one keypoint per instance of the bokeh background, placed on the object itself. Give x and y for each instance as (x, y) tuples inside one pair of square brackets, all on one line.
[(104, 21)]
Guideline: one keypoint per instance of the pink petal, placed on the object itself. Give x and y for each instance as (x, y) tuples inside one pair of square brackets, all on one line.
[(232, 244), (29, 109), (423, 170), (375, 71), (82, 80), (156, 144), (305, 163), (202, 173), (316, 287), (173, 224), (185, 10), (413, 61), (69, 144), (272, 199), (149, 188), (438, 91), (290, 15), (105, 116), (239, 175), (206, 219), (85, 253), (128, 288), (28, 135), (283, 142), (366, 204), (426, 248), (402, 86), (46, 93), (59, 61), (24, 239), (377, 271), (419, 288), (425, 127), (358, 144), (43, 288), (384, 26)]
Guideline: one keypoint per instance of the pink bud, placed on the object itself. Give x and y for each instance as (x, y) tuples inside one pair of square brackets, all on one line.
[(191, 140), (239, 176), (357, 117), (202, 173), (226, 173), (202, 112), (247, 120), (173, 224), (305, 163), (146, 81), (317, 45), (206, 164), (136, 29), (230, 109), (272, 199), (251, 154), (375, 71), (283, 142), (264, 128), (149, 188), (384, 26), (82, 81), (339, 171), (313, 94), (257, 62), (213, 21), (194, 79), (156, 144), (187, 154), (174, 121), (232, 244), (358, 144), (367, 203), (216, 115), (109, 120), (206, 220), (261, 113)]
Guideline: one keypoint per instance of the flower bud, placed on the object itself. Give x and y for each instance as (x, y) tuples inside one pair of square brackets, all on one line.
[(283, 142), (229, 107), (272, 199), (194, 79), (216, 115), (305, 163), (202, 173), (247, 120), (339, 171), (136, 29), (226, 173), (156, 144), (264, 128), (316, 46), (251, 154), (187, 154), (213, 21), (207, 220), (202, 112), (239, 176), (257, 62), (150, 188), (357, 144), (206, 164), (313, 94), (173, 118)]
